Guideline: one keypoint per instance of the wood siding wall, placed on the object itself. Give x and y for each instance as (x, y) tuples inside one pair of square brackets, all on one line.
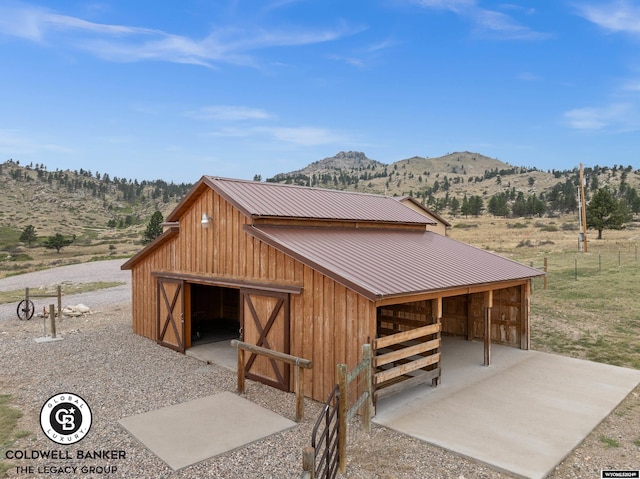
[(329, 322), (507, 319)]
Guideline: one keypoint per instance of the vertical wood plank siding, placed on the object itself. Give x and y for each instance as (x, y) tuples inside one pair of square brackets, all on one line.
[(329, 322)]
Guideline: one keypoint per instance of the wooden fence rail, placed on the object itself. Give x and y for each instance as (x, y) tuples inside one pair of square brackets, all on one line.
[(300, 364), (404, 354)]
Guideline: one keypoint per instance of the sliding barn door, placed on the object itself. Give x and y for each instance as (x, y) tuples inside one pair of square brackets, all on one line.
[(265, 323), (171, 314)]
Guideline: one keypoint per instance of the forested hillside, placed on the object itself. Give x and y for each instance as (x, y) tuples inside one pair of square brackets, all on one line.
[(470, 184), (95, 214)]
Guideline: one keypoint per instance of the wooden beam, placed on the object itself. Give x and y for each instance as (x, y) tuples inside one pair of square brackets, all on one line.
[(406, 368), (407, 352), (488, 304), (436, 314), (406, 336), (446, 293)]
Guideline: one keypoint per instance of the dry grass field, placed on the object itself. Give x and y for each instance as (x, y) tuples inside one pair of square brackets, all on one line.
[(591, 307)]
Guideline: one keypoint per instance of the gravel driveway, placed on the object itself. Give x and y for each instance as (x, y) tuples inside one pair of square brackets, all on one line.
[(108, 271), (121, 374)]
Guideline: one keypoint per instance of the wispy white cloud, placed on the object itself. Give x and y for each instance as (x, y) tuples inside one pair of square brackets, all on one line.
[(365, 56), (305, 136), (125, 43), (301, 136), (229, 112), (486, 21), (616, 115), (528, 76), (617, 17), (15, 143)]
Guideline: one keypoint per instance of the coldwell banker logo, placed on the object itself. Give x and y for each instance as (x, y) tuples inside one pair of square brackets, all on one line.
[(65, 418)]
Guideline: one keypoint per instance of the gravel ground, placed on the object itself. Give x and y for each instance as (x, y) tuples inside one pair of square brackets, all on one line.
[(107, 271), (120, 374)]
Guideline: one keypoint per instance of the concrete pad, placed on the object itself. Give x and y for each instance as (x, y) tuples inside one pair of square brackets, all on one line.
[(191, 432), (220, 353), (523, 414), (48, 339)]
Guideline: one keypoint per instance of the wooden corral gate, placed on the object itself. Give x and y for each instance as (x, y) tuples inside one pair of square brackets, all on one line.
[(406, 359)]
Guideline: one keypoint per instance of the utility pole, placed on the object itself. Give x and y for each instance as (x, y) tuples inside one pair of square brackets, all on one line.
[(582, 211)]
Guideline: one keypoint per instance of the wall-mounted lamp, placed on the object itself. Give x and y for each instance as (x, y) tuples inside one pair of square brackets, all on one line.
[(205, 220)]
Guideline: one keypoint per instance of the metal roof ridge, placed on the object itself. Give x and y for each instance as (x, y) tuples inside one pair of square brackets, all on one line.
[(283, 185)]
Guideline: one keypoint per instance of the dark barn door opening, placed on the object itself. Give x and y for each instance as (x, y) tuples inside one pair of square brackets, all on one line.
[(215, 314)]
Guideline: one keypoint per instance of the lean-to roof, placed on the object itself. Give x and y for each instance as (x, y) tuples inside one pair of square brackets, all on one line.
[(383, 263)]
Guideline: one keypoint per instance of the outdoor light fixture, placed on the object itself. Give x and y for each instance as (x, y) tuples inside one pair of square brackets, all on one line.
[(205, 220)]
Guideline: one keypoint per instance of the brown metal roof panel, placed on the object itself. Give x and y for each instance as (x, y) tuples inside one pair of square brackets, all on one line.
[(290, 201), (385, 263)]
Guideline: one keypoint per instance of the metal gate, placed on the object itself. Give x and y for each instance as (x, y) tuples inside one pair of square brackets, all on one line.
[(324, 439)]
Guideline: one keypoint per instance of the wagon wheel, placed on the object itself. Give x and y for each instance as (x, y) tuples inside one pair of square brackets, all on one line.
[(25, 309)]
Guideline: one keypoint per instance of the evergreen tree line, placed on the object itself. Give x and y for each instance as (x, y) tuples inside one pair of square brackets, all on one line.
[(96, 184)]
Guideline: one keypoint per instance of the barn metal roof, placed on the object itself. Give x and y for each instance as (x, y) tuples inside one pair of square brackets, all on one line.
[(257, 199), (381, 263)]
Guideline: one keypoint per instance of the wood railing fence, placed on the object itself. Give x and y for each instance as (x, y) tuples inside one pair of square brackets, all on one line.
[(300, 364)]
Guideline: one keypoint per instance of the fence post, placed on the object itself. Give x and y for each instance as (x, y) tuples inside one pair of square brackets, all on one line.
[(59, 302), (308, 462), (368, 377), (299, 392), (240, 370), (342, 417), (545, 273), (52, 313)]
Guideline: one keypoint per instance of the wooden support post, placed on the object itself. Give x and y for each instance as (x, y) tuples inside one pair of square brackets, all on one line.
[(342, 417), (309, 462), (52, 314), (240, 371), (368, 378), (299, 392), (436, 314), (545, 273), (525, 317), (488, 304), (59, 302)]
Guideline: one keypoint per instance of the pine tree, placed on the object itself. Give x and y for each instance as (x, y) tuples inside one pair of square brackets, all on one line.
[(154, 228), (29, 235)]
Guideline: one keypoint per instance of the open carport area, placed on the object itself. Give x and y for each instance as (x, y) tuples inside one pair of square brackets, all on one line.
[(524, 414)]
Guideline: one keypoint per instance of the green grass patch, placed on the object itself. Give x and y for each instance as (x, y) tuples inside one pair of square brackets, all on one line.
[(18, 295), (9, 237), (595, 316), (609, 442), (8, 433), (637, 442)]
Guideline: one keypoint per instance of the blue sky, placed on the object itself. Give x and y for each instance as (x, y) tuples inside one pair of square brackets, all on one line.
[(178, 89)]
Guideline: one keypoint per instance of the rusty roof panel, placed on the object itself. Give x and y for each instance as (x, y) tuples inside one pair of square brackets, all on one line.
[(381, 263), (257, 199)]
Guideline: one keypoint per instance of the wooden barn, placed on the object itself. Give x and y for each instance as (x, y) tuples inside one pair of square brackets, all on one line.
[(316, 273)]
